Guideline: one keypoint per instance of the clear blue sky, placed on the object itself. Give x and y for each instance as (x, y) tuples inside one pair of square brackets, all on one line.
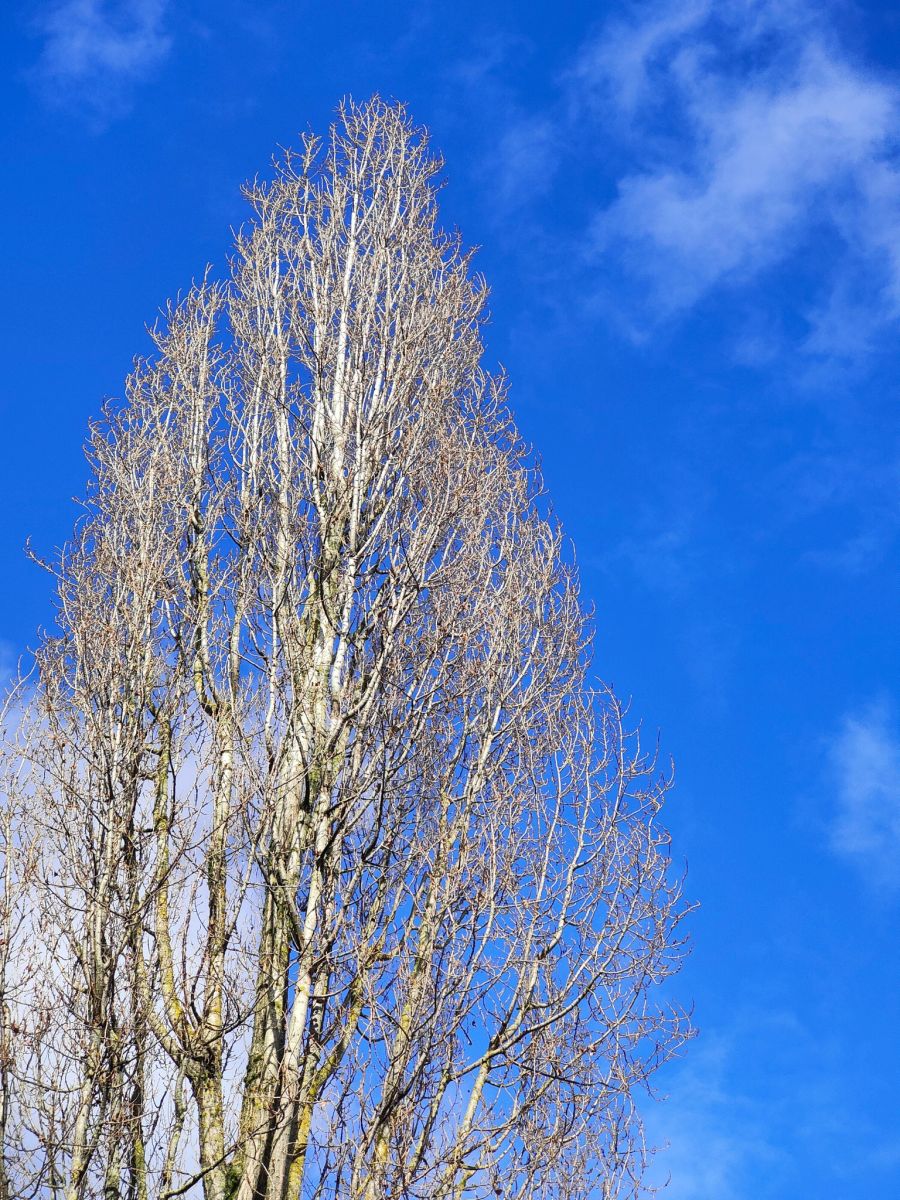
[(690, 219)]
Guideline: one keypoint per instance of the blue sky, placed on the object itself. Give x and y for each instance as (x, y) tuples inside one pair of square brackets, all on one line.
[(689, 215)]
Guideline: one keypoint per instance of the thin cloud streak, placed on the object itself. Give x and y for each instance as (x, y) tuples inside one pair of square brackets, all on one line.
[(865, 771)]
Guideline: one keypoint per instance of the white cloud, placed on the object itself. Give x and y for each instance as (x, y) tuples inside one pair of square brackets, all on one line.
[(710, 1137), (96, 50), (518, 151), (617, 65), (759, 1096), (753, 131), (865, 764), (7, 663), (524, 160), (849, 492)]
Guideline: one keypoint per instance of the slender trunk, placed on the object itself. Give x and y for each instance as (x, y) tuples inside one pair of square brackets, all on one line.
[(208, 1096)]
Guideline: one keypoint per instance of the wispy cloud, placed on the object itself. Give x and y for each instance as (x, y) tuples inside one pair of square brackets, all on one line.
[(760, 1095), (753, 134), (709, 1137), (95, 51), (516, 149), (848, 495), (616, 66), (865, 766), (526, 157), (7, 664), (705, 1158)]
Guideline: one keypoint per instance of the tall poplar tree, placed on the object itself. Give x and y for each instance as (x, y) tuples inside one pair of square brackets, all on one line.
[(327, 870)]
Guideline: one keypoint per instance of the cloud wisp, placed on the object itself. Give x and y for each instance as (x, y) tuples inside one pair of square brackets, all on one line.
[(710, 1138), (752, 135), (96, 51), (865, 769)]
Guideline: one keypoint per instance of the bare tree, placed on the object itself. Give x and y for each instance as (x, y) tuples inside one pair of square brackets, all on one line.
[(327, 871)]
